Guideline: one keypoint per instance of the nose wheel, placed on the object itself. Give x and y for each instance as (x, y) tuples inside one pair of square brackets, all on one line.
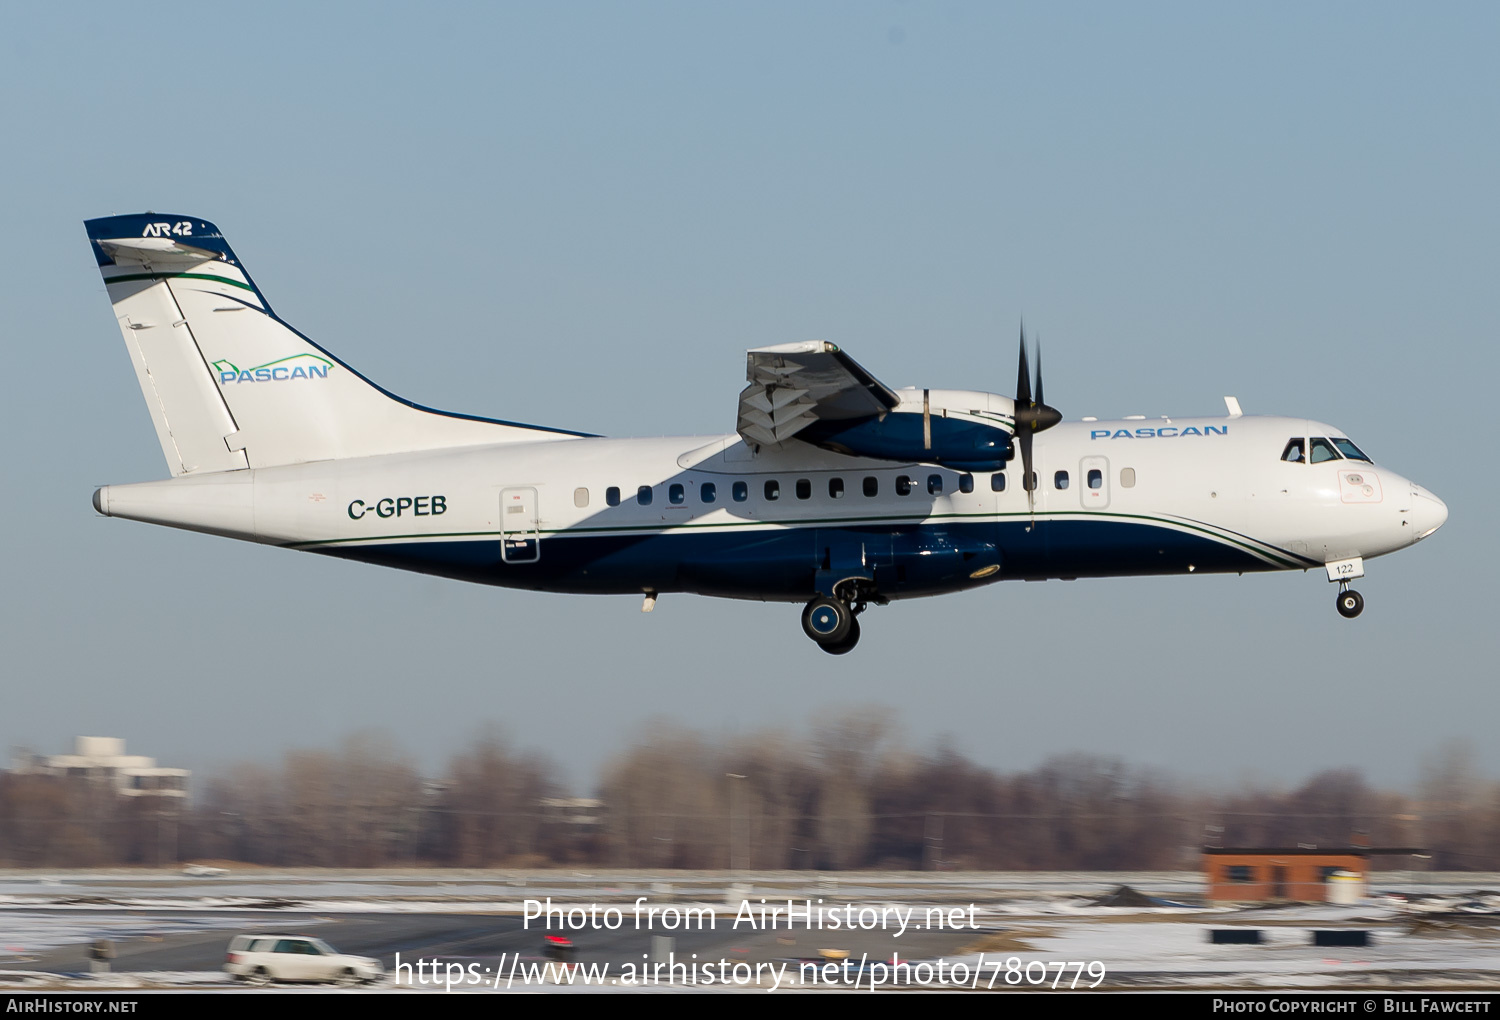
[(1350, 602)]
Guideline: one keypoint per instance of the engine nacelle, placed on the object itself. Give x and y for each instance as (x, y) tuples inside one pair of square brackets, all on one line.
[(967, 431)]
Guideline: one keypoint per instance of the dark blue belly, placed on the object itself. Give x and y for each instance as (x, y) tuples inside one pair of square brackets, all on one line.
[(790, 564)]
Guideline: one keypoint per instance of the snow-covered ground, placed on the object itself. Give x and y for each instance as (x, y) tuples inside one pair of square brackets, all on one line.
[(1427, 931), (26, 934), (1178, 954), (420, 889)]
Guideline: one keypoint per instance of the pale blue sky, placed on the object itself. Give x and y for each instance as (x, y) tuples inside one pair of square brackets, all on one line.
[(582, 214)]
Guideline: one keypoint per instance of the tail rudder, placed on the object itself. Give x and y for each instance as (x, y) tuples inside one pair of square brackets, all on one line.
[(229, 384)]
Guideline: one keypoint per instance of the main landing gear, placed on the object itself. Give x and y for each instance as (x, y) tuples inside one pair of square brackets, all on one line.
[(1350, 602), (834, 622)]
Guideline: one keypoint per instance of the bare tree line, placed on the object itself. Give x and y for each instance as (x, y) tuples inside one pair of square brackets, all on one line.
[(846, 796)]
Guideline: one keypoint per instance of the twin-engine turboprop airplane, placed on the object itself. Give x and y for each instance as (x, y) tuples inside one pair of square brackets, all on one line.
[(837, 491)]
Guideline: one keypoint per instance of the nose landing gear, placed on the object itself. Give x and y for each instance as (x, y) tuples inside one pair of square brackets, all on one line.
[(1350, 602)]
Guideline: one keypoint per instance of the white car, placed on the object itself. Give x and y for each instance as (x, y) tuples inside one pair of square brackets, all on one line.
[(261, 959)]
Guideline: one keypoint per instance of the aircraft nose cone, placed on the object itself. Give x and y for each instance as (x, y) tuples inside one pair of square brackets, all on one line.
[(1428, 513)]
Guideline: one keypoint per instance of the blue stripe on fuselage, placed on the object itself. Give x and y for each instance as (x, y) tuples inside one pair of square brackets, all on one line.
[(905, 561)]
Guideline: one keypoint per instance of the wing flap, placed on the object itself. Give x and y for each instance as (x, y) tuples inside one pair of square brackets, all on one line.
[(794, 385)]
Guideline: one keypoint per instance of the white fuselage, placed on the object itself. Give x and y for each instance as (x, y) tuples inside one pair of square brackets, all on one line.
[(711, 515)]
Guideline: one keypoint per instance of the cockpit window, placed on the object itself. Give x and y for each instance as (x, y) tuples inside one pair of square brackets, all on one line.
[(1293, 451), (1351, 451), (1322, 450)]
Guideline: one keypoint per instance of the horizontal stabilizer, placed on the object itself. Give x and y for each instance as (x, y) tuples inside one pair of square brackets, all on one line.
[(157, 250)]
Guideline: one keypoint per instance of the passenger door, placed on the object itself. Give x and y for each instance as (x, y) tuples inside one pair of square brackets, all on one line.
[(520, 525)]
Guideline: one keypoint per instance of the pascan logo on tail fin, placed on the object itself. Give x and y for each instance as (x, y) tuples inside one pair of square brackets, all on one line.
[(297, 366)]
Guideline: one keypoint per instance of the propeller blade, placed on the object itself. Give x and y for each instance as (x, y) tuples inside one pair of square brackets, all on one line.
[(1032, 415), (1039, 401), (1023, 376)]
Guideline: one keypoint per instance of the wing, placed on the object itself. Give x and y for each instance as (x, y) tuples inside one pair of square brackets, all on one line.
[(794, 385)]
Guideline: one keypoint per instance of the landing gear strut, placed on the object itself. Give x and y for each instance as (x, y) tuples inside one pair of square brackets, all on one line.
[(833, 621), (1350, 602)]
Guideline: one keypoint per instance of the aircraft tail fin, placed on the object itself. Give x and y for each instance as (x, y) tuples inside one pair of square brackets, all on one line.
[(228, 383)]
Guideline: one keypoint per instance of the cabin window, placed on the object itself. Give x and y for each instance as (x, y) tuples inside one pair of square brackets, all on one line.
[(580, 497), (997, 481), (741, 492), (1060, 479), (872, 485), (773, 489), (934, 485), (676, 494), (903, 485), (804, 489), (643, 495), (1322, 450), (1293, 452), (836, 488), (1127, 478), (1351, 451), (612, 495), (1096, 478), (707, 492), (965, 483), (1240, 873)]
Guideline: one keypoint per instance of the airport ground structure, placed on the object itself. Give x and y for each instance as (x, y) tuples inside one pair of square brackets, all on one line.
[(847, 797), (1301, 874)]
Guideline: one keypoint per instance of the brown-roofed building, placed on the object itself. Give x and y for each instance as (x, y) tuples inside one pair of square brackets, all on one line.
[(1305, 874)]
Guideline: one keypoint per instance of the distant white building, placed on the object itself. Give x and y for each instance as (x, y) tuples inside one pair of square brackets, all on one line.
[(581, 812), (103, 760)]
